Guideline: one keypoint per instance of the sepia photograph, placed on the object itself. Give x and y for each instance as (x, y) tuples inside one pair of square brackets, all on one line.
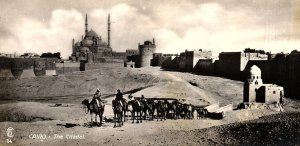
[(149, 72)]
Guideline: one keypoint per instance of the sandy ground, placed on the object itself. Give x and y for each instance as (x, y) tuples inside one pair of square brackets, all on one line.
[(28, 105)]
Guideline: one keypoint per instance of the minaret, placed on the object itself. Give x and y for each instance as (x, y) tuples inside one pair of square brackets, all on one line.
[(108, 30), (153, 41), (73, 46), (86, 24)]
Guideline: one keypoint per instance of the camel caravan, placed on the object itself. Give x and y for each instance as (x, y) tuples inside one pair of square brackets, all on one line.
[(141, 108)]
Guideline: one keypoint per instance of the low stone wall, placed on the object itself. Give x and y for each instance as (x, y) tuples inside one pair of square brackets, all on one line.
[(91, 66), (62, 68)]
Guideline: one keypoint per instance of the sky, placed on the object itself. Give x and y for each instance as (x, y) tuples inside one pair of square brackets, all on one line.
[(218, 25)]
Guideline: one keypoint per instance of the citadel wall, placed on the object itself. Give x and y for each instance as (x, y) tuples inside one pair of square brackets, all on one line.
[(205, 67), (292, 81), (159, 58), (229, 65), (66, 67), (281, 69)]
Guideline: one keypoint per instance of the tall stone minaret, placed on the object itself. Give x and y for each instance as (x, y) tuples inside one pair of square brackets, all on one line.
[(108, 30), (73, 46), (86, 24)]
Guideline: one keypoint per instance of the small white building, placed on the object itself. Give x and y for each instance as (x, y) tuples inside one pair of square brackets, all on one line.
[(256, 91)]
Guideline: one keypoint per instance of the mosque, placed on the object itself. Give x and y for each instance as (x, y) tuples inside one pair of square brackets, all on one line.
[(255, 91), (91, 48)]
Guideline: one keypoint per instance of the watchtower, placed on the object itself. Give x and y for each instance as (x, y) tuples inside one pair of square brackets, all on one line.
[(146, 53)]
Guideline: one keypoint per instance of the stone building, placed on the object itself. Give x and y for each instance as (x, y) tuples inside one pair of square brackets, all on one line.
[(130, 52), (159, 58), (91, 48), (129, 64), (141, 57), (132, 56), (189, 59), (256, 91), (185, 61)]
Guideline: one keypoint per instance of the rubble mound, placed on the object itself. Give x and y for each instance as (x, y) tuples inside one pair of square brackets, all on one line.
[(278, 129)]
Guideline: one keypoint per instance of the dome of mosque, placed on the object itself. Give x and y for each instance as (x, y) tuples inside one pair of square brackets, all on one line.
[(255, 71), (77, 44), (87, 42), (147, 42), (91, 34)]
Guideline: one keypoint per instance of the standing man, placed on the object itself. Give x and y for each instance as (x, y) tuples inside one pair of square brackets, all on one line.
[(281, 102)]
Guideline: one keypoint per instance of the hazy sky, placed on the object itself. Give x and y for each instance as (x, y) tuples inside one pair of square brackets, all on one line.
[(222, 25)]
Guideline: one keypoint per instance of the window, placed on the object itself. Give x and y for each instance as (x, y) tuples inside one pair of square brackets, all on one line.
[(274, 92)]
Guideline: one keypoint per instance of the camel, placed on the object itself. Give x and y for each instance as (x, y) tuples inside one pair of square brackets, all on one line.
[(93, 108)]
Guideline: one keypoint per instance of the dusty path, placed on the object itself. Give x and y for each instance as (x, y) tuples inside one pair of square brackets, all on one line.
[(176, 87)]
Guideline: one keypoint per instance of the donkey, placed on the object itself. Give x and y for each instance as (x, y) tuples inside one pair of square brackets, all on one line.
[(93, 108)]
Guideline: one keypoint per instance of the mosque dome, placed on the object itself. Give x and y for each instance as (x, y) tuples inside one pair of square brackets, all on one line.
[(255, 71), (91, 34), (87, 42), (77, 44), (147, 42), (84, 49)]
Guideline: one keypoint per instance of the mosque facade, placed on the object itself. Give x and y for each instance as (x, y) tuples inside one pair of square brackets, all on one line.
[(91, 47)]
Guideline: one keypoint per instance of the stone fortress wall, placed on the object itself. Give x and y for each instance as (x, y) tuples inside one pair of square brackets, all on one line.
[(15, 68), (281, 69)]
